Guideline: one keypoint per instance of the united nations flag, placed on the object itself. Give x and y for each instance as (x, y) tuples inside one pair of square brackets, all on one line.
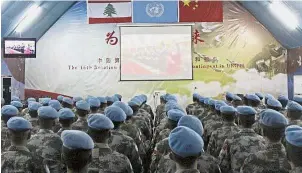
[(155, 11)]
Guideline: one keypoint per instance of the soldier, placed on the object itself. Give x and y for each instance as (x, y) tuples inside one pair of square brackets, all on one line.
[(45, 101), (76, 150), (60, 98), (57, 106), (147, 108), (298, 99), (229, 98), (46, 143), (33, 116), (180, 139), (274, 104), (237, 101), (261, 106), (18, 158), (83, 109), (293, 136), (103, 106), (103, 158), (94, 105), (236, 148), (268, 96), (25, 111), (109, 101), (273, 158), (159, 110), (284, 101), (190, 108), (66, 118), (7, 112), (294, 113), (15, 98), (118, 96), (76, 99), (228, 129), (67, 103), (120, 142), (17, 104)]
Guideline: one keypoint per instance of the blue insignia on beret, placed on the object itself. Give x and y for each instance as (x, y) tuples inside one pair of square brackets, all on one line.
[(31, 99), (9, 110), (293, 135), (15, 98), (47, 112), (83, 105), (17, 104), (75, 139), (294, 106), (185, 142), (274, 103), (260, 95), (55, 104), (68, 100), (273, 118), (191, 122), (297, 99), (60, 98), (237, 98), (100, 122), (253, 97), (94, 102), (76, 99), (115, 114), (218, 104), (246, 110), (34, 106), (175, 114), (102, 99), (109, 99), (66, 113), (18, 124), (227, 110)]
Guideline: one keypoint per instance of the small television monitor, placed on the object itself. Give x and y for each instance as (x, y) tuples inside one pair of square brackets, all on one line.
[(19, 47)]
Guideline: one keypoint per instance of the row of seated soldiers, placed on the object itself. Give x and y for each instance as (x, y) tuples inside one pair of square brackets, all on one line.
[(217, 136)]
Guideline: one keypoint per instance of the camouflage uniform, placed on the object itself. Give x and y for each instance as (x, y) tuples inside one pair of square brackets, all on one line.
[(80, 124), (27, 116), (295, 122), (296, 170), (236, 149), (24, 112), (48, 145), (273, 159), (148, 108), (35, 124), (160, 109), (163, 134), (106, 160), (141, 124), (191, 107), (145, 116), (126, 145), (161, 149), (61, 130), (218, 136), (5, 142), (20, 159), (210, 127)]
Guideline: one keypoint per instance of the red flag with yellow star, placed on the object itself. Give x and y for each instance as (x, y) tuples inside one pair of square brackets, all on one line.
[(200, 11)]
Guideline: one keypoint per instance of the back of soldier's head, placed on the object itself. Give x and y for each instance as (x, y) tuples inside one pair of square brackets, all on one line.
[(47, 116), (253, 100), (83, 108), (99, 127), (293, 137), (228, 113), (246, 116), (294, 110), (66, 117), (8, 111), (19, 130)]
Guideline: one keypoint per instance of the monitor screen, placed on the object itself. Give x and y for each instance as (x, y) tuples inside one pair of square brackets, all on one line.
[(19, 47)]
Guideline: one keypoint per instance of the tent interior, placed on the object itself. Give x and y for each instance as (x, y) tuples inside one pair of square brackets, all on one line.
[(256, 48)]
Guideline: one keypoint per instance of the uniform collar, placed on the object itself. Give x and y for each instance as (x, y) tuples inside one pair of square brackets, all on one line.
[(102, 145), (275, 145), (18, 148)]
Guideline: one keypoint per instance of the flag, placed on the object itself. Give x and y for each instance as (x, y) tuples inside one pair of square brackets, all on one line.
[(155, 11), (109, 11), (200, 11)]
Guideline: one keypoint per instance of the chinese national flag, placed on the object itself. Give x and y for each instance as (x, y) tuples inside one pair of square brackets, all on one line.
[(200, 11)]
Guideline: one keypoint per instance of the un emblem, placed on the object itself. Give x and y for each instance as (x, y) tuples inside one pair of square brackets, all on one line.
[(155, 9)]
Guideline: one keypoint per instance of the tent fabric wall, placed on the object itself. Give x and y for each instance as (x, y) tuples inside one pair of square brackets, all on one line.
[(73, 59), (294, 67)]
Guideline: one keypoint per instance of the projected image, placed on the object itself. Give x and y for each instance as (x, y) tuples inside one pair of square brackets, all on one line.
[(19, 47), (156, 53)]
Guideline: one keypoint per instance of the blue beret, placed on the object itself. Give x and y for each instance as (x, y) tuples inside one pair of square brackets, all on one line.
[(201, 99), (18, 124), (17, 104), (274, 103), (34, 106), (68, 100), (269, 96), (195, 95), (83, 105), (191, 122), (115, 114), (9, 110), (133, 103), (66, 113), (75, 139), (227, 110), (45, 101), (253, 97), (246, 110), (31, 99), (237, 98), (55, 104), (130, 111), (218, 104), (144, 97), (205, 101), (139, 99), (47, 112), (115, 98), (102, 99), (175, 114), (109, 99), (118, 96), (259, 95), (172, 105), (94, 102), (273, 118), (15, 98), (229, 95), (294, 106), (100, 122), (211, 102), (76, 99), (185, 142), (282, 97), (60, 98), (124, 107), (297, 99), (293, 135), (171, 97)]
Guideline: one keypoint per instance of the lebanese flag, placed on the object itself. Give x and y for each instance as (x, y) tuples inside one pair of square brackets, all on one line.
[(109, 11), (200, 11)]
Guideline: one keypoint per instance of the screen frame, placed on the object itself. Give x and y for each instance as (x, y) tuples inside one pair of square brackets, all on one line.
[(19, 55), (154, 25)]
